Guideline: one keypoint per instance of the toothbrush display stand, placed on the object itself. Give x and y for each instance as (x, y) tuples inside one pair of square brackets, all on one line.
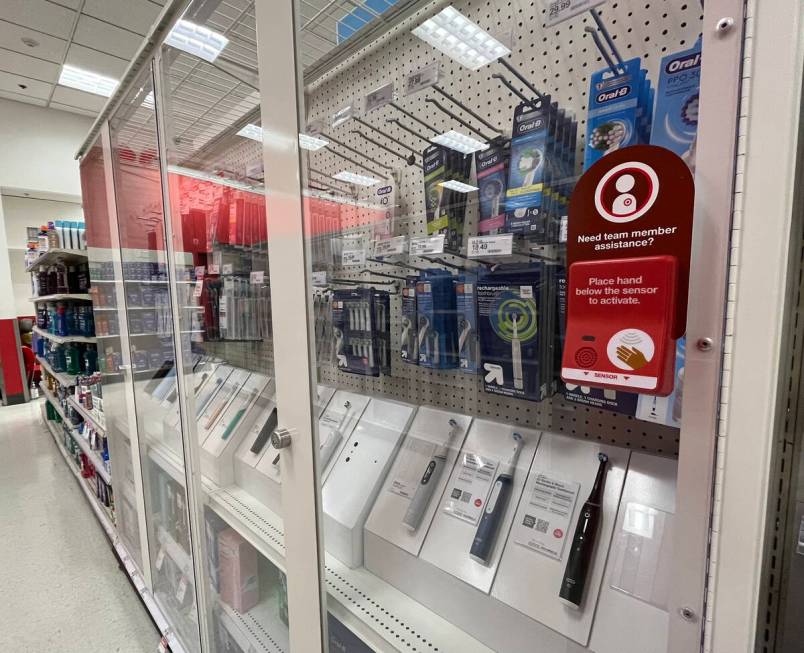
[(429, 429)]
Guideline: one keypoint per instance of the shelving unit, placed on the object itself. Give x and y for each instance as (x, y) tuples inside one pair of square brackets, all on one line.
[(88, 417), (55, 255), (62, 339), (83, 297), (62, 377)]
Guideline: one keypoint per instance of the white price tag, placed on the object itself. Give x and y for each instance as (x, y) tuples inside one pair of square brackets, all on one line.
[(200, 270), (421, 79), (353, 257), (342, 115), (558, 10), (228, 268), (501, 245), (320, 278), (257, 276), (214, 269), (160, 558), (379, 97), (468, 491), (427, 245), (199, 286), (388, 246), (544, 526)]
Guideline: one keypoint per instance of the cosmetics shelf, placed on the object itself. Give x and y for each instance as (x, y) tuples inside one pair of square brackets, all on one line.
[(62, 377), (88, 417), (54, 255), (258, 629), (356, 597), (107, 523), (93, 456), (62, 339), (62, 297)]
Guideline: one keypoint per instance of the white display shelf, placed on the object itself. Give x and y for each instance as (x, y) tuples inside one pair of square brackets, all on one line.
[(130, 566), (54, 255), (155, 307), (62, 339), (372, 609), (88, 417), (259, 629), (93, 456), (62, 377), (175, 552), (62, 297)]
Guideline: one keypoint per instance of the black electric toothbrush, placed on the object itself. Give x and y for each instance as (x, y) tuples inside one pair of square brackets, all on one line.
[(583, 543), (490, 522)]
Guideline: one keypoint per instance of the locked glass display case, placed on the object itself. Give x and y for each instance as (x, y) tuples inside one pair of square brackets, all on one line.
[(391, 302)]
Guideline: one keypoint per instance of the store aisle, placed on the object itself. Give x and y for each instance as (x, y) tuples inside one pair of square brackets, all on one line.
[(60, 585)]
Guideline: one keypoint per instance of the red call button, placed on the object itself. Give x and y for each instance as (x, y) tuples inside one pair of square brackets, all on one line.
[(619, 321)]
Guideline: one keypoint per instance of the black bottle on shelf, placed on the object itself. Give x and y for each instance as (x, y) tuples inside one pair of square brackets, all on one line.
[(583, 543)]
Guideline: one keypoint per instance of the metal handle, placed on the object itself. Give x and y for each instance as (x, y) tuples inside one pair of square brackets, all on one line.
[(280, 438)]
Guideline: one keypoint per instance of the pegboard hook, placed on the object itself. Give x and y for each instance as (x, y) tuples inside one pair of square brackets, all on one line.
[(454, 100), (412, 117), (358, 152), (446, 111), (514, 90), (399, 124), (602, 27), (510, 68), (381, 133), (602, 50), (410, 159)]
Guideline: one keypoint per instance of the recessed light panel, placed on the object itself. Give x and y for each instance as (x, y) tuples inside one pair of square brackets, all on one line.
[(84, 80), (459, 186), (460, 142), (253, 132), (312, 143), (197, 39), (354, 178)]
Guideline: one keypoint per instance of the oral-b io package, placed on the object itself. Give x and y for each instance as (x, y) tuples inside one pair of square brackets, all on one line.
[(492, 181)]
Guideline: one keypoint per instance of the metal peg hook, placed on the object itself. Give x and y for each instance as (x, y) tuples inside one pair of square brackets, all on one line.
[(412, 117), (602, 27), (510, 68), (399, 124), (382, 274), (443, 109), (410, 159), (601, 49), (352, 161), (360, 121), (358, 152), (435, 87), (397, 265), (515, 90)]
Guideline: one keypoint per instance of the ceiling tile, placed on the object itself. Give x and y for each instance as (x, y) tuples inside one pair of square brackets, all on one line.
[(20, 64), (67, 107), (106, 38), (34, 88), (40, 15), (78, 99), (97, 62), (23, 98), (135, 15), (49, 47)]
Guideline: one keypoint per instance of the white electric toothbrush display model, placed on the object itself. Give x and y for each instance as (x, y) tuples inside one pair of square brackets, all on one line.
[(489, 526), (328, 446), (429, 480), (464, 351), (528, 165), (423, 338), (516, 353)]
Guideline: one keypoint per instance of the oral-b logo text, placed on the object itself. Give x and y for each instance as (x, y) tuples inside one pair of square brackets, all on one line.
[(684, 63), (616, 94)]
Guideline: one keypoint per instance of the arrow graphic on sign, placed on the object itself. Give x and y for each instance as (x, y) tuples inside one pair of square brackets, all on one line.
[(494, 373)]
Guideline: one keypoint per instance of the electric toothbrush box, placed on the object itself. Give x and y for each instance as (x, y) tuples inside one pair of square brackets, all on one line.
[(434, 160), (470, 493), (436, 326), (531, 570), (357, 475), (466, 309), (613, 116), (491, 167), (524, 196), (430, 429), (409, 350), (353, 315)]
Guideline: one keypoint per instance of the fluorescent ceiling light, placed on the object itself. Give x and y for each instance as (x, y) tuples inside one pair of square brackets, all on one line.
[(354, 178), (459, 38), (197, 39), (459, 186), (253, 132), (148, 101), (85, 80), (460, 142), (312, 143)]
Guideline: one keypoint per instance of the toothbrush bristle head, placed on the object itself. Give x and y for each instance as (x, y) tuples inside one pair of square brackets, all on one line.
[(602, 457), (453, 422), (517, 436)]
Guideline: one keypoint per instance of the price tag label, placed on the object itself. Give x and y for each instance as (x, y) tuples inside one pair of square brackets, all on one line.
[(320, 278), (422, 245), (559, 10), (388, 246), (421, 79), (342, 115), (199, 286), (200, 270), (214, 269), (501, 245), (228, 268), (257, 276), (352, 257), (380, 97)]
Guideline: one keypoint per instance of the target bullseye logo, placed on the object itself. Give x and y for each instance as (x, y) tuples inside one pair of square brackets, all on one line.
[(586, 357), (627, 192)]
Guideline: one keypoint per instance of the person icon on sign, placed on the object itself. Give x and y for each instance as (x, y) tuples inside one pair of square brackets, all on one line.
[(625, 203)]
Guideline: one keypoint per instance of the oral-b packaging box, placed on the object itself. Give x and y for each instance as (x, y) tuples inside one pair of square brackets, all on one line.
[(382, 330), (675, 124), (409, 350), (491, 167), (354, 336), (436, 197), (466, 309), (435, 310), (614, 108), (524, 197)]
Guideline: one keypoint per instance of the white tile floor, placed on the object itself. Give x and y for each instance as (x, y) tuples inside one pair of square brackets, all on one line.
[(61, 590)]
